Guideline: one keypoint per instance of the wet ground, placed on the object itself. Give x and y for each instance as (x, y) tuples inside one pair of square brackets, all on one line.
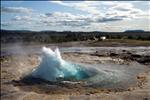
[(133, 62)]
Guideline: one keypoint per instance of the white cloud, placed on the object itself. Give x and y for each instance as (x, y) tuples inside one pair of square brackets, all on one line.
[(16, 10), (96, 18), (126, 10), (22, 18), (58, 2), (86, 6), (114, 8), (63, 19), (66, 19), (109, 3), (122, 6)]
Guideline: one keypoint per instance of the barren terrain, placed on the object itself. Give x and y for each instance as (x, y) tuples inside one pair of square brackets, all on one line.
[(13, 67)]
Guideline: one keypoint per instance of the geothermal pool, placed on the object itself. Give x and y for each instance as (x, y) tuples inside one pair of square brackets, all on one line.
[(105, 75), (13, 50)]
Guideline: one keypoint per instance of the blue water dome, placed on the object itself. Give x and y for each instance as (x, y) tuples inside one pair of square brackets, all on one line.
[(52, 67)]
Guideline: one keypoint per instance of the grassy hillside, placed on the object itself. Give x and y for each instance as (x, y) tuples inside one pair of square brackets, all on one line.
[(55, 37)]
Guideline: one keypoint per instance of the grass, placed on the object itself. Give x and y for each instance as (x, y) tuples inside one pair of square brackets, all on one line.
[(120, 42)]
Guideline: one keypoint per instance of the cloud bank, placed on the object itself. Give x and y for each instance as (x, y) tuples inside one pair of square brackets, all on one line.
[(97, 15)]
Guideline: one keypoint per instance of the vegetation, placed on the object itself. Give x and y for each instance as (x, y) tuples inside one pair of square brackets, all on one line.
[(65, 36)]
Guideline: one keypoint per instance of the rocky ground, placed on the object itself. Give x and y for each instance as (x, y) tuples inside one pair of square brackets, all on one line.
[(15, 67)]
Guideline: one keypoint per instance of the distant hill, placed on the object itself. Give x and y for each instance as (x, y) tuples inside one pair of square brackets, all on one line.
[(8, 36), (134, 31)]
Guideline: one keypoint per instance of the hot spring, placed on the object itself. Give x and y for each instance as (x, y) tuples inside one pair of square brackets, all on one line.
[(106, 75)]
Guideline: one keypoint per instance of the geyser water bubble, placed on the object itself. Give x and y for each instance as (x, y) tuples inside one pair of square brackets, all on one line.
[(52, 67), (107, 75)]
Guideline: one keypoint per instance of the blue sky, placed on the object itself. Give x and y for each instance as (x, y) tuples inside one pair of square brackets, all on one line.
[(75, 15)]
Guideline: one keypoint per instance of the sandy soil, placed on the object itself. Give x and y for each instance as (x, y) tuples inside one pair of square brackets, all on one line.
[(14, 67)]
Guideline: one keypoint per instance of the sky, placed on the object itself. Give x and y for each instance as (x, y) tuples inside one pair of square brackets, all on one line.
[(106, 16)]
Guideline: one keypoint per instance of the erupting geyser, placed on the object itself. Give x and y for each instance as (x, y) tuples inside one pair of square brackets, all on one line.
[(53, 67), (107, 75)]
